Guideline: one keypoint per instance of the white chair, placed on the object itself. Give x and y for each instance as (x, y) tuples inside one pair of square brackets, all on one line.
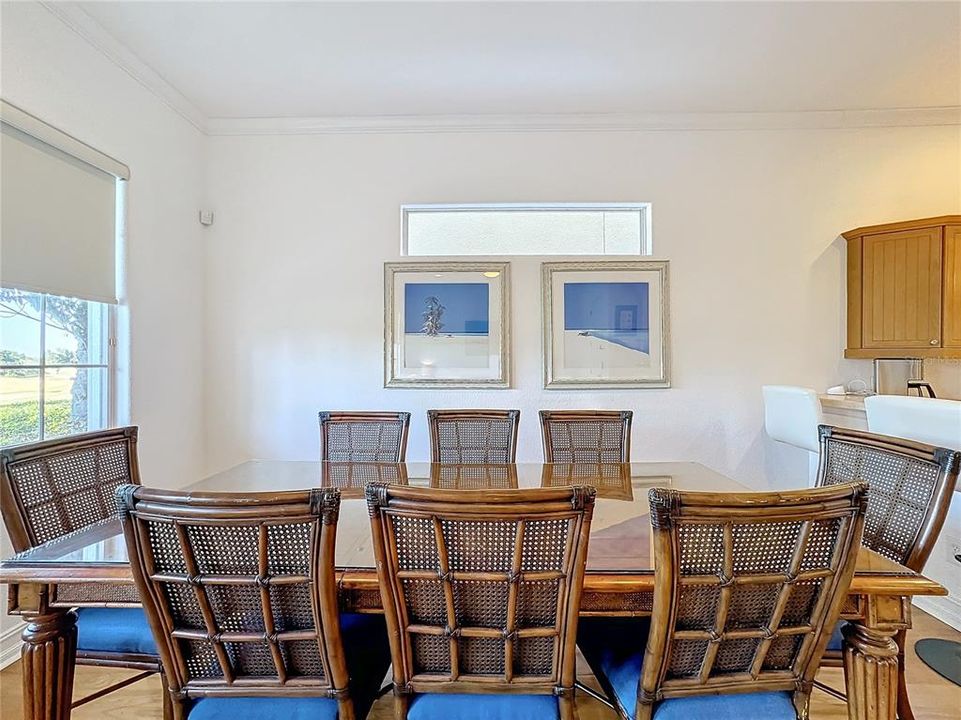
[(927, 420), (792, 415)]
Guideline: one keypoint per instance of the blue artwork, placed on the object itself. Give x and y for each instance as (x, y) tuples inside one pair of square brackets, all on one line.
[(615, 312), (447, 309)]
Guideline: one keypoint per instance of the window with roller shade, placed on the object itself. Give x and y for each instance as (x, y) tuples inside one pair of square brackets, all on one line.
[(58, 289)]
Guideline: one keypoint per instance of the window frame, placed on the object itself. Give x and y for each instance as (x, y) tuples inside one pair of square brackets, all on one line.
[(644, 208), (110, 366)]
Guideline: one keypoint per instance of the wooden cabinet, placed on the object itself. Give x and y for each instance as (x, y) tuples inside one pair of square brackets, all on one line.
[(904, 289), (952, 288)]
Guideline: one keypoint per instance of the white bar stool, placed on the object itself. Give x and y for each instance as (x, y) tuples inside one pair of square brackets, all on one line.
[(792, 415)]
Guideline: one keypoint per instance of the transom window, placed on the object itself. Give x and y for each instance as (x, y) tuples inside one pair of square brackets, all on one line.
[(545, 229)]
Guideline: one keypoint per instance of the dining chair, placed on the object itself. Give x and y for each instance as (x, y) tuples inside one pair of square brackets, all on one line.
[(241, 595), (586, 436), (747, 587), (473, 436), (53, 488), (481, 591), (363, 436), (911, 488)]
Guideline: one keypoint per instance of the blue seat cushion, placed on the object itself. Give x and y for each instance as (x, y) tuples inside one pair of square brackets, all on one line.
[(121, 630), (367, 651), (743, 706), (263, 708), (837, 639), (614, 648), (444, 706)]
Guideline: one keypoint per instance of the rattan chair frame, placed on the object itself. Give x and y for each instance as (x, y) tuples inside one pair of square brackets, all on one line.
[(678, 515), (454, 453), (144, 510), (330, 419), (393, 507), (557, 418), (945, 462), (39, 460), (924, 530)]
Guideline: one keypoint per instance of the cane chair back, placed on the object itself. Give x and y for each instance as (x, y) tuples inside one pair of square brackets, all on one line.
[(53, 488), (748, 587), (378, 437), (911, 488), (57, 487), (240, 591), (473, 436), (586, 436), (481, 588)]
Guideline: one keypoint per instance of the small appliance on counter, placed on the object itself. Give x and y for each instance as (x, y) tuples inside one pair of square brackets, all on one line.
[(901, 376)]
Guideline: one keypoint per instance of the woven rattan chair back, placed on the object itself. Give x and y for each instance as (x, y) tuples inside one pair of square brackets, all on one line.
[(56, 487), (473, 436), (586, 436), (481, 588), (378, 437), (911, 488), (748, 587), (239, 591)]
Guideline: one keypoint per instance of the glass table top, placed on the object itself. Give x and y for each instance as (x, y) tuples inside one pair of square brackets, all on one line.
[(620, 531)]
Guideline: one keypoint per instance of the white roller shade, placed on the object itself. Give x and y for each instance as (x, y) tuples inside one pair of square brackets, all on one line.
[(58, 230)]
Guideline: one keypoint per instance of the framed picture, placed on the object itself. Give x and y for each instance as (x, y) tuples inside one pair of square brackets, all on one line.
[(606, 324), (447, 324)]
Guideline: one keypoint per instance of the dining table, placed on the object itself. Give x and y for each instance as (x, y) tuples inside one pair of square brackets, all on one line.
[(89, 567)]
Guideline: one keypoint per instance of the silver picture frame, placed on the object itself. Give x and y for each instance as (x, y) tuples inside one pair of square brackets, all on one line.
[(585, 371), (401, 345)]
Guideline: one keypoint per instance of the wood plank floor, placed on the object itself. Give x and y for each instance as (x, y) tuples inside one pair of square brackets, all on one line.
[(933, 697)]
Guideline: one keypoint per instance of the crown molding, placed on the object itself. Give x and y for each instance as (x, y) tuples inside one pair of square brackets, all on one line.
[(77, 19), (814, 120), (74, 17)]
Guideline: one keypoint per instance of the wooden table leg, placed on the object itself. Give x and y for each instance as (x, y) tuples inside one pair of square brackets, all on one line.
[(871, 673), (871, 659), (48, 658)]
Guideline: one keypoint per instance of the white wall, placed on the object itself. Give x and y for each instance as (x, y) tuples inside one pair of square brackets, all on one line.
[(749, 221), (52, 73), (243, 331)]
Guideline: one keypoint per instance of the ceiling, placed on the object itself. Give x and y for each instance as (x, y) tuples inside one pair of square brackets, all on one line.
[(301, 60)]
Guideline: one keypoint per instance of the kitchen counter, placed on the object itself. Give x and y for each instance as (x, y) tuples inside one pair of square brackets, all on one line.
[(844, 411), (842, 402)]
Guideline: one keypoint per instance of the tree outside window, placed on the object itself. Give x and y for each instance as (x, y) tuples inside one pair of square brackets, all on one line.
[(54, 365)]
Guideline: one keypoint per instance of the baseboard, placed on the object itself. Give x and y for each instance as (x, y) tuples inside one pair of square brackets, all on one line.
[(946, 609), (10, 645)]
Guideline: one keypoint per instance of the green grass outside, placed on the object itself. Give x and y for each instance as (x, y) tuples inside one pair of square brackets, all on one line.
[(20, 422)]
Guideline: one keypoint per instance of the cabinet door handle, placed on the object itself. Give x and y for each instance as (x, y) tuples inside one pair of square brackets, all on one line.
[(933, 342)]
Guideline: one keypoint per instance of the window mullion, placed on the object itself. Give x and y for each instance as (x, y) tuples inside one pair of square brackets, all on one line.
[(43, 361)]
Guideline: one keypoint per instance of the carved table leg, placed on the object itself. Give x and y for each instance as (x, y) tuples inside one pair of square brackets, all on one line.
[(871, 658), (48, 659)]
